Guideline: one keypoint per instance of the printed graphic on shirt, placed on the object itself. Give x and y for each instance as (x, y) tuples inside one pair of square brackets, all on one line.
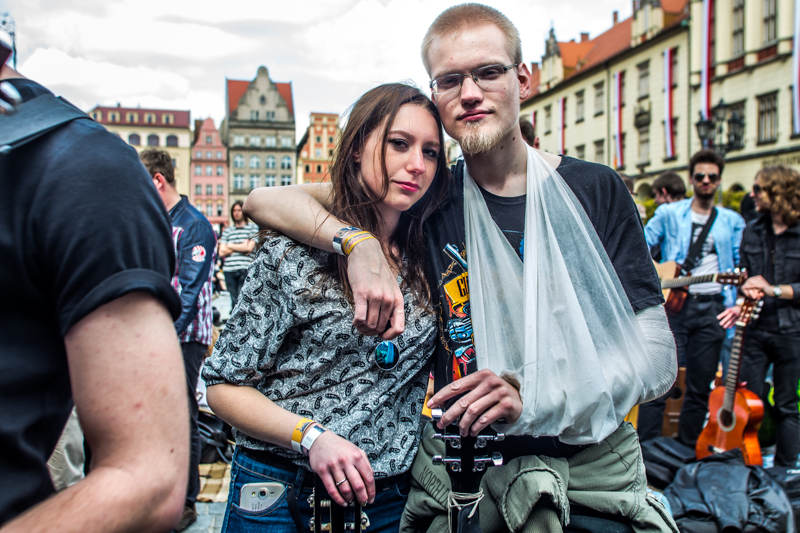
[(458, 340), (198, 254)]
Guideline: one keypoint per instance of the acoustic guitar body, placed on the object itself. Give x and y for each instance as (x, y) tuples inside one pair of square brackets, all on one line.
[(725, 432)]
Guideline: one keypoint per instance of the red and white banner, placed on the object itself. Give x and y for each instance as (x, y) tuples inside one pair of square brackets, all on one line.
[(560, 124), (619, 159), (796, 70), (669, 135), (706, 70)]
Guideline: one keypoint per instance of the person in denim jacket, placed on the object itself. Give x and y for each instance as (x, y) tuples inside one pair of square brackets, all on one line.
[(698, 335), (771, 255)]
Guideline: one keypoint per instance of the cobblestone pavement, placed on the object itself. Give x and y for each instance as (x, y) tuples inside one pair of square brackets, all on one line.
[(209, 518)]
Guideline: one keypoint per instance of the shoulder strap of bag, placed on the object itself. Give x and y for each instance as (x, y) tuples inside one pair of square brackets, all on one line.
[(34, 118), (693, 255)]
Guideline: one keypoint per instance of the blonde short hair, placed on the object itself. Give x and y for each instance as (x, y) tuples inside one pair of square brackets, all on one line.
[(456, 18)]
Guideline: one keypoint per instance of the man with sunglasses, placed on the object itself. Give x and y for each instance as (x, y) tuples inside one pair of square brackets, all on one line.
[(704, 239)]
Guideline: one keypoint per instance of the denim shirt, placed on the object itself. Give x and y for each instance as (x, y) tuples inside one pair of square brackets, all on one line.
[(671, 228)]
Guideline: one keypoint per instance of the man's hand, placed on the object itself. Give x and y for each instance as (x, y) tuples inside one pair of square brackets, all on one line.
[(728, 317), (756, 287), (376, 294), (486, 398)]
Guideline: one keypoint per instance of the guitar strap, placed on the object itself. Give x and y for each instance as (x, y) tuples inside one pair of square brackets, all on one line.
[(294, 511), (693, 255)]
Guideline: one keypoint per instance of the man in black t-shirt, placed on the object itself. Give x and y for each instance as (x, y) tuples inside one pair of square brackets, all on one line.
[(87, 303)]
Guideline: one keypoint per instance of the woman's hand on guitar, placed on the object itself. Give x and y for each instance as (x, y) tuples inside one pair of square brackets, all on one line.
[(335, 459), (755, 287), (728, 317)]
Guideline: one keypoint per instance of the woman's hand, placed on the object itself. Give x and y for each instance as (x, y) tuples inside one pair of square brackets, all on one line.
[(335, 459)]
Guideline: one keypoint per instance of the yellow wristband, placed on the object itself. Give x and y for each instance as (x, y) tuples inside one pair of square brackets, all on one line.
[(297, 434), (354, 239)]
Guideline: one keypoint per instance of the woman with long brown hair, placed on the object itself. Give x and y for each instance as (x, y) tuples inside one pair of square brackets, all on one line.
[(305, 391)]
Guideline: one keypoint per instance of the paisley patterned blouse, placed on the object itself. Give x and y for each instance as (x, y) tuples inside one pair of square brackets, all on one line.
[(299, 348)]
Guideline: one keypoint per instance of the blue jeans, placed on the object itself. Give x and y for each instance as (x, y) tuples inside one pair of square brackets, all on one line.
[(384, 514)]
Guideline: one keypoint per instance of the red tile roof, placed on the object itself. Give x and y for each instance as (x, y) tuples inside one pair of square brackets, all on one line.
[(181, 119), (673, 6), (572, 52), (237, 88), (535, 76), (608, 44)]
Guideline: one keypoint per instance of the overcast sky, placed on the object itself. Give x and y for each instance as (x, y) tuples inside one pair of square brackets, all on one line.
[(177, 53)]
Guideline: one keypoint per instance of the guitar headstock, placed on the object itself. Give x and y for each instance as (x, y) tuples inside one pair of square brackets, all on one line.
[(466, 458), (750, 311), (736, 278), (328, 516)]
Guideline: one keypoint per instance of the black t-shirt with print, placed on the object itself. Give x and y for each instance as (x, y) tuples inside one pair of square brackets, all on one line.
[(609, 206)]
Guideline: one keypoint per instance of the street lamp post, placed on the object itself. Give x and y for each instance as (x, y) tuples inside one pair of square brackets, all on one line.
[(710, 130)]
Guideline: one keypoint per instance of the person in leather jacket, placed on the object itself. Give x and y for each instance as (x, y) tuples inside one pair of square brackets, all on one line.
[(770, 252)]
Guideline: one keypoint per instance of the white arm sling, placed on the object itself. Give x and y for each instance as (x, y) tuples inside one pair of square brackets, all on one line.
[(560, 324)]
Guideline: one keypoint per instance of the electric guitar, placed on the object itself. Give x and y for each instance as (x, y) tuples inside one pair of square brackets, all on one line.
[(329, 516), (735, 413), (673, 284), (466, 460)]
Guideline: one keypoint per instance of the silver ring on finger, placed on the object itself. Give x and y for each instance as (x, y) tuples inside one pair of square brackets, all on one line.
[(340, 482)]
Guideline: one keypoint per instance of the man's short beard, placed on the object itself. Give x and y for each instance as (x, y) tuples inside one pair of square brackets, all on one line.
[(705, 196), (479, 139)]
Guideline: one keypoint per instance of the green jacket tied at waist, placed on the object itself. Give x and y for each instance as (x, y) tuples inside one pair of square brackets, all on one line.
[(607, 478)]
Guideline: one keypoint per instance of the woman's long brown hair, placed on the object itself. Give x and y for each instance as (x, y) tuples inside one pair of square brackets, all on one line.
[(353, 202)]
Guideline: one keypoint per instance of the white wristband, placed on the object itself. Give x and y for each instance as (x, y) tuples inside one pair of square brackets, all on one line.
[(311, 435)]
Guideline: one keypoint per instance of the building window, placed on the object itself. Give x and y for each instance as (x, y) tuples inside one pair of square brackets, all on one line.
[(209, 209), (255, 181), (330, 152), (600, 151), (208, 155), (271, 142), (675, 67), (768, 118), (208, 139), (269, 180), (198, 190), (308, 169), (238, 140), (199, 206), (209, 170), (219, 190), (167, 119), (330, 140), (286, 163), (547, 119), (286, 142), (579, 106), (580, 151), (644, 79), (174, 163), (134, 139), (319, 138), (238, 182), (198, 170), (209, 190), (219, 154), (254, 114), (255, 140), (131, 117), (97, 115), (219, 209), (152, 140), (113, 116), (269, 162), (255, 162), (319, 152), (599, 98), (198, 154), (644, 145), (238, 161), (319, 169), (286, 180), (270, 115), (172, 140), (219, 170), (738, 27), (770, 17)]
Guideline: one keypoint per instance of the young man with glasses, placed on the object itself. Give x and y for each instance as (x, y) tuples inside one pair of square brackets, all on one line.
[(681, 230), (771, 255), (474, 58)]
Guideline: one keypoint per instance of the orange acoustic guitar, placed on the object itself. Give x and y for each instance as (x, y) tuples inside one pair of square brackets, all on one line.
[(673, 285), (735, 413)]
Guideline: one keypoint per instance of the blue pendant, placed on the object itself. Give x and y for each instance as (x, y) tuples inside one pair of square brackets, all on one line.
[(386, 355)]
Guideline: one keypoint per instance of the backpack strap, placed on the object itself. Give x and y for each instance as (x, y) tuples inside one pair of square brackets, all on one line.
[(34, 118)]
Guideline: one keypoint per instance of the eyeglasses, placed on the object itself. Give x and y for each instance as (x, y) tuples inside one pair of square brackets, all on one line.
[(700, 176), (484, 77), (757, 189)]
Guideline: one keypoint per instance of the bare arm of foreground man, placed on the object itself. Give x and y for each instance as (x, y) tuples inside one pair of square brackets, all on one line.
[(128, 383), (299, 212)]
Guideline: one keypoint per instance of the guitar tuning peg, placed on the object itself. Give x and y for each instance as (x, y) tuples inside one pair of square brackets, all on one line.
[(436, 414)]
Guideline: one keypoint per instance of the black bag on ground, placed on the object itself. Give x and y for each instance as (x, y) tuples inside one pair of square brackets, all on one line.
[(722, 493), (215, 438), (789, 479), (663, 457)]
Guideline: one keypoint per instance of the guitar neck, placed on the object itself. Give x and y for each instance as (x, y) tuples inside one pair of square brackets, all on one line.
[(732, 378), (688, 280)]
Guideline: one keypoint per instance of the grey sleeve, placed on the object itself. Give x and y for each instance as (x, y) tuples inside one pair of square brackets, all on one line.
[(248, 346), (660, 343)]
